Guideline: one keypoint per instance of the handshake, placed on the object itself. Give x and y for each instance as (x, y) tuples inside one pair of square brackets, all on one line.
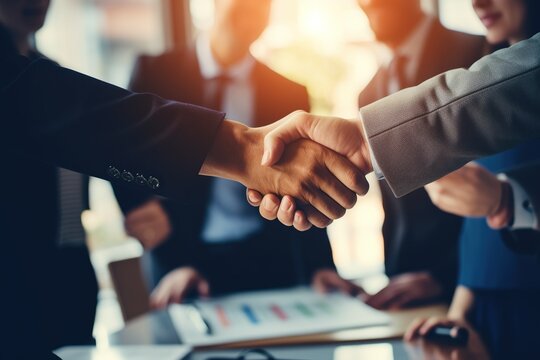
[(303, 170)]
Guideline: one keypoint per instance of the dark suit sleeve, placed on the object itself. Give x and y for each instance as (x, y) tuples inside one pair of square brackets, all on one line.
[(86, 125), (128, 197)]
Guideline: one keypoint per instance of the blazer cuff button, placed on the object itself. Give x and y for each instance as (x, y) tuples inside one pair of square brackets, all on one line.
[(153, 182), (141, 180), (127, 176), (113, 172)]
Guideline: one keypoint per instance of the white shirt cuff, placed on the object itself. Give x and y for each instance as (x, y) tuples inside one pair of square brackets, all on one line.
[(376, 168), (524, 212)]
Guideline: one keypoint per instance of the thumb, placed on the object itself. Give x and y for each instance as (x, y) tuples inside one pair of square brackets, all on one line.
[(292, 127)]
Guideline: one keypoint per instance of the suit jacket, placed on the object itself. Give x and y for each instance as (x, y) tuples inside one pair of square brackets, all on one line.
[(417, 235), (456, 117), (54, 116), (176, 75), (89, 126), (61, 280)]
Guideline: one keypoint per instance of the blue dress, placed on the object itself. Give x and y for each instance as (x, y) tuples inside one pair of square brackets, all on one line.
[(506, 285)]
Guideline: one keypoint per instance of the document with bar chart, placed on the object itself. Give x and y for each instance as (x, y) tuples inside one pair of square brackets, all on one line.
[(270, 314)]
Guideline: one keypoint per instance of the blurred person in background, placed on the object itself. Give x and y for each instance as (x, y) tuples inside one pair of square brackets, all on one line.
[(215, 242), (499, 290), (420, 241), (42, 206)]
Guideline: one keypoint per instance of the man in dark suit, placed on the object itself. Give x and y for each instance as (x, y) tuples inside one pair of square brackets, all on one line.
[(45, 246), (218, 241), (420, 241)]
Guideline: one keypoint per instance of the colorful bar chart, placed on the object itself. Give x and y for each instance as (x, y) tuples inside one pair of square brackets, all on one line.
[(273, 313), (250, 314)]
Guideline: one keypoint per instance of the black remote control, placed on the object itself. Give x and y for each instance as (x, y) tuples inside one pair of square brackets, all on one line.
[(450, 335)]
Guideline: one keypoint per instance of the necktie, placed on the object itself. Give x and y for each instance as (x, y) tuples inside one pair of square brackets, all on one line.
[(215, 90), (71, 204)]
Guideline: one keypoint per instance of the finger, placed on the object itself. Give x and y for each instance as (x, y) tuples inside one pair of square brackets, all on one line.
[(269, 207), (412, 330), (301, 222), (351, 288), (160, 295), (335, 189), (323, 203), (286, 211), (319, 285), (431, 323), (399, 301), (348, 175), (182, 289), (254, 197), (155, 302), (315, 217), (333, 280), (203, 288), (383, 297), (289, 129)]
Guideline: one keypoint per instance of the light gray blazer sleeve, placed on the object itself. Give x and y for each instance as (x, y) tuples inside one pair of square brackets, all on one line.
[(422, 133)]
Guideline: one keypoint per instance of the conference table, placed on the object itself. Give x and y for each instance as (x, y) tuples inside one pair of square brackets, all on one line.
[(376, 342)]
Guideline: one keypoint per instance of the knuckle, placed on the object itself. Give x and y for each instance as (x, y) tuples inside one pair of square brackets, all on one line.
[(307, 192)]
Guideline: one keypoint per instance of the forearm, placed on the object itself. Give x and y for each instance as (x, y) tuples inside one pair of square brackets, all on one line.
[(425, 132), (86, 125), (462, 303), (229, 155)]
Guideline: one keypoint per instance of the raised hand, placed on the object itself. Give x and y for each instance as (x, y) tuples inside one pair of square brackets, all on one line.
[(323, 183), (178, 284)]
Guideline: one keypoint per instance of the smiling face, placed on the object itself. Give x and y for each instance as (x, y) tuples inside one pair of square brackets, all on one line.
[(504, 19), (23, 17)]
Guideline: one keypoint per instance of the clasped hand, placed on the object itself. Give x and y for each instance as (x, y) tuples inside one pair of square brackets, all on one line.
[(282, 139)]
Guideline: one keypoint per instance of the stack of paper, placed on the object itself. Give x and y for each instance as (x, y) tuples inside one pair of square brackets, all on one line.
[(270, 314)]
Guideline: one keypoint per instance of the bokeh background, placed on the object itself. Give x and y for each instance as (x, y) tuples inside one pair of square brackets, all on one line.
[(326, 45)]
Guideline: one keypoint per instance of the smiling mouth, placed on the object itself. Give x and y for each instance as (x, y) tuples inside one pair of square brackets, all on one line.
[(490, 19)]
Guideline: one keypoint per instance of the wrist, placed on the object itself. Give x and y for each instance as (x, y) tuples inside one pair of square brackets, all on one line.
[(234, 147), (503, 215)]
